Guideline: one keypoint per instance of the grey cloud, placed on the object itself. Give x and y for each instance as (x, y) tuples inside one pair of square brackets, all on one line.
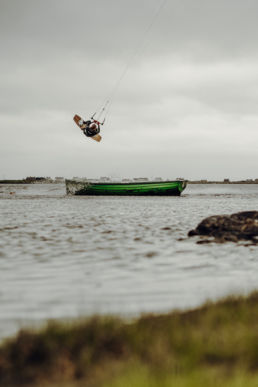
[(101, 28), (195, 77)]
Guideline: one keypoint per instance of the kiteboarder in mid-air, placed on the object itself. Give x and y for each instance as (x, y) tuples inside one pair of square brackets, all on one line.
[(90, 128)]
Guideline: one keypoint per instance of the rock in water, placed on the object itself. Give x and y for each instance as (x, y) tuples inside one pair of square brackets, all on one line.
[(223, 228)]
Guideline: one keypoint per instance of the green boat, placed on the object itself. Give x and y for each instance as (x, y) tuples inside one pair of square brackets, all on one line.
[(139, 188)]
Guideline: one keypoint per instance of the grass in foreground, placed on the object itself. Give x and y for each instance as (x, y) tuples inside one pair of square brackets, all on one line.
[(214, 345)]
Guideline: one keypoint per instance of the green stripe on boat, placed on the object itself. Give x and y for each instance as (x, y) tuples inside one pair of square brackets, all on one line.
[(169, 188)]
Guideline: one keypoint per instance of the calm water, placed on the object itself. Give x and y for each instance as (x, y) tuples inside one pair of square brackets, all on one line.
[(63, 257)]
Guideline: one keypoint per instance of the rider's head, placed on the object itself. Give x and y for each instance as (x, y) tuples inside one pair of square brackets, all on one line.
[(93, 126)]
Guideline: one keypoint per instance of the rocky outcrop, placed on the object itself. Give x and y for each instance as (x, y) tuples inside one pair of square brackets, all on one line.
[(223, 228)]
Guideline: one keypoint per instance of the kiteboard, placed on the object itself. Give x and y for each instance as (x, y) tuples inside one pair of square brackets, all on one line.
[(77, 119)]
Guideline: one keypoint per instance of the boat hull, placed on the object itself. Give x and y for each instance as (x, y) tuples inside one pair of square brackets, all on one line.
[(163, 188)]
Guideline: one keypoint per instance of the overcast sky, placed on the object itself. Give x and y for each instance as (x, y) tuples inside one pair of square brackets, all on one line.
[(186, 107)]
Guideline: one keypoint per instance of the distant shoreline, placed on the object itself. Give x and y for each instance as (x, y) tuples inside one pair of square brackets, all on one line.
[(48, 181), (223, 182)]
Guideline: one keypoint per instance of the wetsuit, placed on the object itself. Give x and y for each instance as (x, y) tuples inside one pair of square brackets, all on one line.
[(89, 132)]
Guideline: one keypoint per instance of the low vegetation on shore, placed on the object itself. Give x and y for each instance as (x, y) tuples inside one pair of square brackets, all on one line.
[(214, 345)]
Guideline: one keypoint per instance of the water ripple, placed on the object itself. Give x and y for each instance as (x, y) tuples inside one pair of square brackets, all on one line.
[(71, 256)]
